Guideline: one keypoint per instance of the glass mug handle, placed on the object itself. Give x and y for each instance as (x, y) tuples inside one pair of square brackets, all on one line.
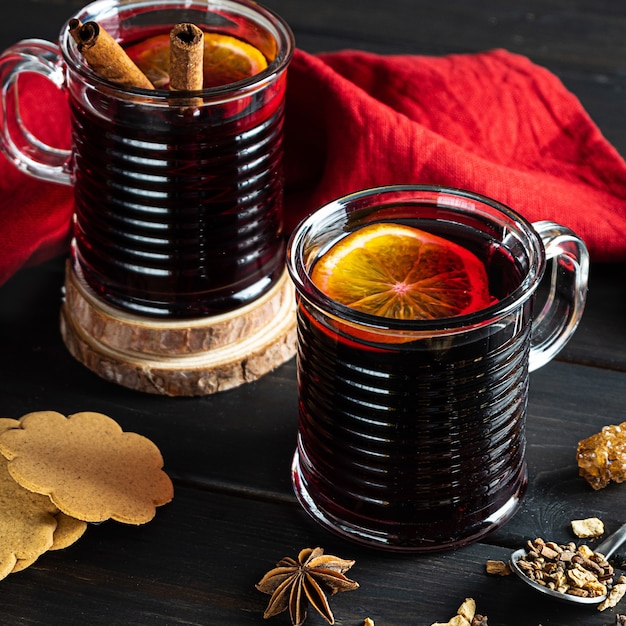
[(27, 152), (561, 312)]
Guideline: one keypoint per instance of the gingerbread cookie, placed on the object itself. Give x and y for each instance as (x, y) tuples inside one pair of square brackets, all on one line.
[(87, 466), (68, 531), (27, 520)]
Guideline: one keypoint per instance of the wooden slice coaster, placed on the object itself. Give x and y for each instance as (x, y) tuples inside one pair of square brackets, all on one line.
[(183, 357)]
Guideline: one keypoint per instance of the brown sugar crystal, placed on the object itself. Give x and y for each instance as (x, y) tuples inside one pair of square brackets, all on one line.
[(602, 457)]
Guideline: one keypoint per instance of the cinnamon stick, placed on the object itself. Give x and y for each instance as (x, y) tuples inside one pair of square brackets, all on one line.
[(105, 56), (186, 57)]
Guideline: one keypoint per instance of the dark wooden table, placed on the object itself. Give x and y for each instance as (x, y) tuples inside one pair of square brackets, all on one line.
[(234, 513)]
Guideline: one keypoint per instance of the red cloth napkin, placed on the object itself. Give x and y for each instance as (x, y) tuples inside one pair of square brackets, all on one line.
[(491, 122)]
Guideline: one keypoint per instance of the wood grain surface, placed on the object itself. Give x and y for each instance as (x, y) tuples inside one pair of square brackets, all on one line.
[(234, 513)]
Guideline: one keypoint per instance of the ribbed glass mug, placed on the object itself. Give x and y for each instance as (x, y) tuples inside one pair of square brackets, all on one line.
[(178, 208), (412, 433)]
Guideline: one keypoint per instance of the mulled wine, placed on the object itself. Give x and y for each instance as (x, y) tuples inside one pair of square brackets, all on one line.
[(412, 429), (423, 438), (178, 201)]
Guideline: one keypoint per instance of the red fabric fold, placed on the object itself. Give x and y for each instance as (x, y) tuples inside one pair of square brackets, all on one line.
[(492, 122)]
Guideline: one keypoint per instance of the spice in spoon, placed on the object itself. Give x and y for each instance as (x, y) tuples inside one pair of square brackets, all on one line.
[(578, 571)]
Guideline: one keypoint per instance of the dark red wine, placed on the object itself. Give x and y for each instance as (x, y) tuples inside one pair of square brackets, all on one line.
[(179, 209), (420, 444)]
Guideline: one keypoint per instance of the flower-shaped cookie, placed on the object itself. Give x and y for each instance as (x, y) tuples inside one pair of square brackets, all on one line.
[(68, 531), (87, 466), (27, 520)]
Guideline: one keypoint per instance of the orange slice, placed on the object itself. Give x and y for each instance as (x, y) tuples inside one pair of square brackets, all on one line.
[(226, 59), (400, 272)]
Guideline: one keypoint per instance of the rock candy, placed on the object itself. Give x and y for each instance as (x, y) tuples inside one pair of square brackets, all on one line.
[(602, 457)]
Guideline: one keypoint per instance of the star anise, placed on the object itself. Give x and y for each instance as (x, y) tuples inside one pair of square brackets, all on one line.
[(294, 584)]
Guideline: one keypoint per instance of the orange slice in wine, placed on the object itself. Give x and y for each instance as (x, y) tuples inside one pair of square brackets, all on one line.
[(400, 272), (226, 59)]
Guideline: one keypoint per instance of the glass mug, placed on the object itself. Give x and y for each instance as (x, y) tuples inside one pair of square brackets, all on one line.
[(412, 433), (178, 208)]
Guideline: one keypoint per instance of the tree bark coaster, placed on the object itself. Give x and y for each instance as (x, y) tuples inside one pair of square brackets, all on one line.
[(193, 357)]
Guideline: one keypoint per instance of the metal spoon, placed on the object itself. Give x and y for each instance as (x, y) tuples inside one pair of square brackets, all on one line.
[(606, 548)]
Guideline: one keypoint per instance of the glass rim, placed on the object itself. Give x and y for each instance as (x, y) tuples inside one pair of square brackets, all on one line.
[(306, 289), (274, 23)]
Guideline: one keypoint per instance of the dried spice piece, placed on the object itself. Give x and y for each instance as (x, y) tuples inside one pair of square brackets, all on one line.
[(186, 57), (577, 571), (620, 620), (465, 616), (615, 595), (293, 584), (586, 528), (497, 568), (602, 457), (106, 56)]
